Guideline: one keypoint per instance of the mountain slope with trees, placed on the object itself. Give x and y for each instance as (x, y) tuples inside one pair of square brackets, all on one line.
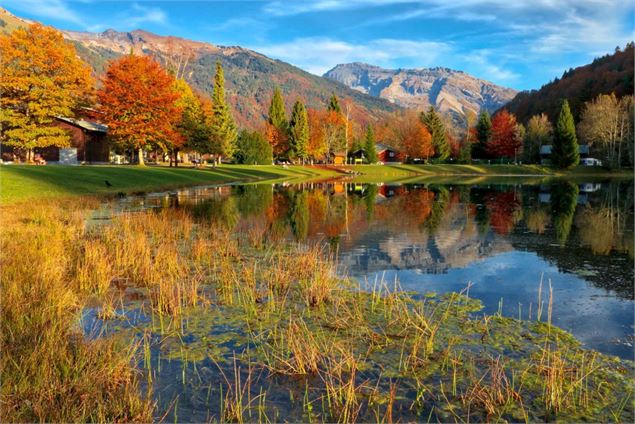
[(612, 73)]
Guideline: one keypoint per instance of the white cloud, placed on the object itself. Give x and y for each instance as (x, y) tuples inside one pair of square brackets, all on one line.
[(138, 15), (47, 9), (319, 54)]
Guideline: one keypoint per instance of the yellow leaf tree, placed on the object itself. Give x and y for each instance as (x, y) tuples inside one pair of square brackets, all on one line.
[(41, 77)]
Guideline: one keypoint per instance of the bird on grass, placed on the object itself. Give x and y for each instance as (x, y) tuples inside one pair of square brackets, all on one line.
[(107, 183)]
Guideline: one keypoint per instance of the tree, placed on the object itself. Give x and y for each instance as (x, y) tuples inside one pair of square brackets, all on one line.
[(413, 136), (539, 133), (435, 127), (565, 151), (138, 102), (334, 104), (506, 141), (277, 126), (223, 129), (41, 77), (299, 131), (317, 147), (483, 134), (564, 198), (252, 148), (369, 145), (192, 125), (605, 123)]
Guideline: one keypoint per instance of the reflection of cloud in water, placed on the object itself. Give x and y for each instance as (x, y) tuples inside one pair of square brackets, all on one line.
[(515, 277)]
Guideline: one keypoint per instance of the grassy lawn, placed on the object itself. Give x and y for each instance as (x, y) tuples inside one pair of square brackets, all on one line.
[(399, 172), (24, 182)]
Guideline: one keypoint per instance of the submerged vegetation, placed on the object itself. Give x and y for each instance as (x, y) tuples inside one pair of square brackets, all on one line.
[(249, 327)]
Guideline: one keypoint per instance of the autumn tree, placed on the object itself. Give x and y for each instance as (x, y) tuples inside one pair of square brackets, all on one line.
[(139, 105), (412, 136), (506, 141), (299, 131), (606, 124), (317, 147), (435, 127), (41, 77), (223, 129), (539, 133), (483, 135), (565, 151), (369, 145), (193, 124)]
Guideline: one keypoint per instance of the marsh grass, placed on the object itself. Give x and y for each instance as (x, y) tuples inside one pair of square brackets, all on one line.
[(358, 354)]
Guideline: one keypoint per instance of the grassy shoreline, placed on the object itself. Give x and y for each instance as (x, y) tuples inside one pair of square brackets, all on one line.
[(26, 182)]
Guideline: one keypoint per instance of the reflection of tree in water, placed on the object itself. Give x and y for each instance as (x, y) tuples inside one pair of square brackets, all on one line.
[(253, 199), (438, 208), (504, 210), (537, 219), (370, 196), (219, 210), (299, 214), (564, 197)]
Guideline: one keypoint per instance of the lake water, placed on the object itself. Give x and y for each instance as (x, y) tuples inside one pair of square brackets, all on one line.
[(501, 243), (501, 240)]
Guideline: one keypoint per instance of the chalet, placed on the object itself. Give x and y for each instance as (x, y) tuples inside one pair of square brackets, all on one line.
[(545, 153), (338, 158), (386, 153)]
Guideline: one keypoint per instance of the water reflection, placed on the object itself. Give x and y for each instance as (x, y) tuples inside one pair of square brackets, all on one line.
[(502, 238)]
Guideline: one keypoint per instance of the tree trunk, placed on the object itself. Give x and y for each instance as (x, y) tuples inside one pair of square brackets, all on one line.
[(140, 154)]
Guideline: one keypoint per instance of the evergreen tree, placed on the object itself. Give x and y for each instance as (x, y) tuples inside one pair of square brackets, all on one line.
[(299, 131), (369, 145), (483, 135), (277, 115), (334, 104), (223, 128), (435, 126), (253, 149), (565, 152)]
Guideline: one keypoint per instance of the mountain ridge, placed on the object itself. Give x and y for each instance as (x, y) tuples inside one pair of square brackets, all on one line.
[(451, 91)]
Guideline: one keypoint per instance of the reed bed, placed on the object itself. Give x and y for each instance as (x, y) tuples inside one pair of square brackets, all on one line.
[(284, 315)]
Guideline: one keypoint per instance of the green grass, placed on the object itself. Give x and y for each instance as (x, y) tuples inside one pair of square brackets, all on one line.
[(404, 173), (25, 182)]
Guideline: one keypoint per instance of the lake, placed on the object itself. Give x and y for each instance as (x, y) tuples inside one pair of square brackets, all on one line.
[(508, 245)]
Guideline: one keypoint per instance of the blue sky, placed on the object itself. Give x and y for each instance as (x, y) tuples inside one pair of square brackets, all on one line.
[(516, 43)]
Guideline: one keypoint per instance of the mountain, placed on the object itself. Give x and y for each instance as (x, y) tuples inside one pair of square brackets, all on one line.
[(450, 91), (250, 76), (608, 74)]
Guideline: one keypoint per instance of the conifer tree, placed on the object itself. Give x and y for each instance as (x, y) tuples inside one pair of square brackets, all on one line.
[(483, 135), (223, 128), (277, 115), (369, 145), (565, 152), (435, 126), (299, 131), (334, 104)]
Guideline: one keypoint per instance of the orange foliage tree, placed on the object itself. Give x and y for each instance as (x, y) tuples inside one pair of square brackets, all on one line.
[(412, 136), (506, 140), (317, 148), (41, 77), (139, 105)]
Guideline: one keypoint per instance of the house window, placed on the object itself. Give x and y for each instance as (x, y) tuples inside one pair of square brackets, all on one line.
[(391, 154)]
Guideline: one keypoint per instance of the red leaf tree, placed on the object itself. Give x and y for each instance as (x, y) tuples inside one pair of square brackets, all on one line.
[(138, 102), (506, 140)]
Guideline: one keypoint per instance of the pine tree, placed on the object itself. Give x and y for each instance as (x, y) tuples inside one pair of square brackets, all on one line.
[(277, 115), (299, 131), (369, 145), (483, 135), (334, 104), (435, 126), (224, 131), (565, 151)]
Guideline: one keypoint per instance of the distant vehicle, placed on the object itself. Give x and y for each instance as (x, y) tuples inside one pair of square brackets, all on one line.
[(590, 162)]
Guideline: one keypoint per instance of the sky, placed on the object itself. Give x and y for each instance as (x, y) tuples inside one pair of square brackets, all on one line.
[(515, 43)]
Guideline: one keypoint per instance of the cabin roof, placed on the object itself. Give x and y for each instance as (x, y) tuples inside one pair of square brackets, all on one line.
[(87, 125)]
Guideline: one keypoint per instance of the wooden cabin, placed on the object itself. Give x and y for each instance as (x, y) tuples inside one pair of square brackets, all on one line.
[(387, 154)]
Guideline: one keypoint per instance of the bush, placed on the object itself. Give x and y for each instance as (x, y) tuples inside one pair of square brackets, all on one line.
[(253, 149)]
